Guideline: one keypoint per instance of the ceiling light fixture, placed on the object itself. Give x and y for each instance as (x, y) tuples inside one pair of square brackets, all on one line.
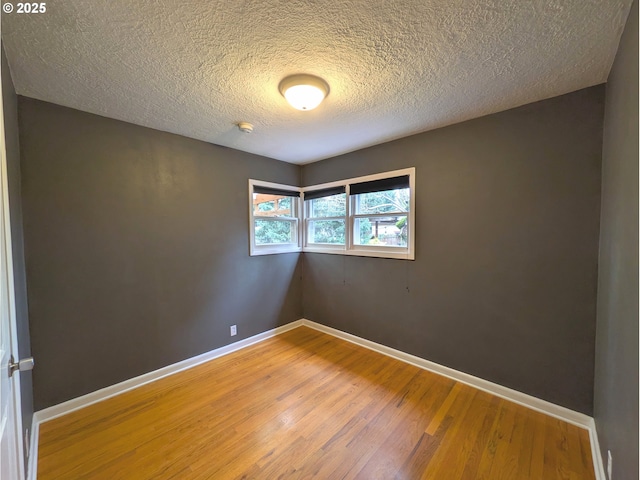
[(304, 92), (245, 127)]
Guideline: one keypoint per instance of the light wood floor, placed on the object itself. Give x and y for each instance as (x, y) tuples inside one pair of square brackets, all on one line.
[(307, 405)]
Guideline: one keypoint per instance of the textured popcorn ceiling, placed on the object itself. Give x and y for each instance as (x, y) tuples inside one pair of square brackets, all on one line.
[(197, 67)]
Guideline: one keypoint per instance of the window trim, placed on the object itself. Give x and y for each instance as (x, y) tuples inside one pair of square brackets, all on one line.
[(349, 247), (335, 247), (275, 248)]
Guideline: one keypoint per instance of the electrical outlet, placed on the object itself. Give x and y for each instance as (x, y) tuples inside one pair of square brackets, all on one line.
[(234, 330), (609, 464)]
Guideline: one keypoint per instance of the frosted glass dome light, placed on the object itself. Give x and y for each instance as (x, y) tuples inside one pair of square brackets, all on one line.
[(304, 92)]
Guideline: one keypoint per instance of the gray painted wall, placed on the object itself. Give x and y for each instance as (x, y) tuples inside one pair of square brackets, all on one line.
[(136, 246), (10, 106), (504, 281), (616, 379)]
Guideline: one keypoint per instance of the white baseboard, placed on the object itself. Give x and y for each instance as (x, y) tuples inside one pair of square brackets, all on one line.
[(543, 406)]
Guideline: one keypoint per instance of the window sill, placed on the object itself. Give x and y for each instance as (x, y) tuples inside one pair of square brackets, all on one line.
[(273, 250), (399, 254)]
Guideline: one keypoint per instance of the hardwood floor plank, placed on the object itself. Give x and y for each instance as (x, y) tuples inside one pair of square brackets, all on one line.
[(537, 453), (444, 409), (586, 464), (389, 434), (306, 413), (505, 466), (362, 446), (452, 440), (458, 455), (550, 450), (489, 422), (380, 396), (423, 452), (502, 454), (307, 405)]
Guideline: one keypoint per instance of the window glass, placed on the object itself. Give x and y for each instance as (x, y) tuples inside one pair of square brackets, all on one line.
[(383, 202), (284, 203), (326, 231), (275, 221), (329, 231), (272, 231), (332, 206), (388, 231), (265, 205)]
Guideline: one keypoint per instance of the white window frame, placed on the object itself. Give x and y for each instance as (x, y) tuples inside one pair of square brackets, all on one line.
[(302, 220), (325, 247), (274, 248), (350, 248)]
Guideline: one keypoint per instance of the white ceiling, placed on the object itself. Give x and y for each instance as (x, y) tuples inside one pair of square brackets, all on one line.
[(395, 68)]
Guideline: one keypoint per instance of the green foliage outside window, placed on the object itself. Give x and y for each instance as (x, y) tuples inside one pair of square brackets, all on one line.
[(268, 232), (333, 206), (285, 203), (327, 231), (266, 206)]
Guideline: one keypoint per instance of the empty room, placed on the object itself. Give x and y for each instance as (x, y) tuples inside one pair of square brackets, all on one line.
[(333, 240)]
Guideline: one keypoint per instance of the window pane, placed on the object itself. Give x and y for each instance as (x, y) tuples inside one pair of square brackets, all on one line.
[(285, 203), (383, 202), (265, 205), (275, 231), (387, 231), (326, 231), (332, 206)]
